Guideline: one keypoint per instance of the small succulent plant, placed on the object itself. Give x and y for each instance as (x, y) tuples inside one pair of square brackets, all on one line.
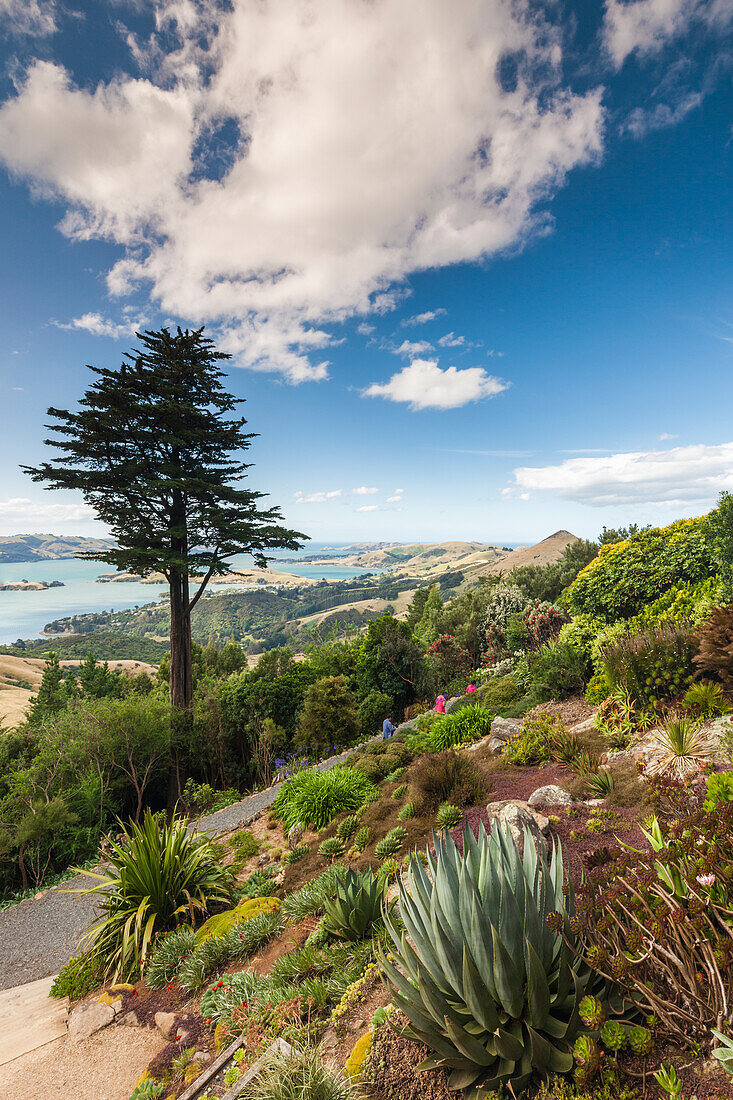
[(362, 838), (400, 792), (587, 1057), (592, 1012), (391, 843), (448, 816), (640, 1040), (613, 1035), (389, 869), (297, 853), (408, 810), (346, 828), (332, 848)]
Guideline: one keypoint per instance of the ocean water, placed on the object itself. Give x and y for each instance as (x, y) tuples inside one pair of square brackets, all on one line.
[(24, 614)]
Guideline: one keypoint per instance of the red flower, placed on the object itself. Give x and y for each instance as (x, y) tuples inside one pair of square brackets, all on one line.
[(171, 986)]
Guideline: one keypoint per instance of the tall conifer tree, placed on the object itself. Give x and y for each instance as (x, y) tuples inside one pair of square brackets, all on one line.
[(154, 452)]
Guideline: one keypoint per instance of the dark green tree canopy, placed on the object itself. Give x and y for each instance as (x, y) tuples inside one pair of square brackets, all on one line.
[(150, 449)]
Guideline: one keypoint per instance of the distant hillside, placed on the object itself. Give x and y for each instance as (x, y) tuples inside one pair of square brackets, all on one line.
[(48, 547), (542, 553), (428, 561)]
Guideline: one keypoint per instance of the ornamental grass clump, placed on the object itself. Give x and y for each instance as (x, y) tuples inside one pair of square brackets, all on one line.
[(155, 878), (468, 724), (658, 924), (480, 968), (315, 798), (356, 906)]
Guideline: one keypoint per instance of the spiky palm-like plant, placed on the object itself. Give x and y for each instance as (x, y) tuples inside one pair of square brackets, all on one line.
[(358, 903), (481, 969), (155, 877), (683, 744)]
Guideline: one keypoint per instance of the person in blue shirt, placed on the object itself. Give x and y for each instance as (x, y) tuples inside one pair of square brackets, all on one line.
[(387, 728)]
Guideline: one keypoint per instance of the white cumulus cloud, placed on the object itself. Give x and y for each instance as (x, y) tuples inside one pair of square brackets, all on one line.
[(681, 476), (365, 491), (450, 340), (337, 183), (98, 325), (412, 348), (423, 318), (647, 25), (36, 18), (320, 497), (425, 385), (368, 508)]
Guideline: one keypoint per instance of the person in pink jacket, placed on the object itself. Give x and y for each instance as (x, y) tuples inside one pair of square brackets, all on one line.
[(471, 688), (440, 703)]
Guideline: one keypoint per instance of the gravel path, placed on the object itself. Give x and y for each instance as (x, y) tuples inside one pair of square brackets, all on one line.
[(39, 935)]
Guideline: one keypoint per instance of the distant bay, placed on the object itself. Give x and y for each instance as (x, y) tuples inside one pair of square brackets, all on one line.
[(24, 614)]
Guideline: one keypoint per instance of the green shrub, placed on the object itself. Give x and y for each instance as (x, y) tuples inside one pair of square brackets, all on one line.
[(390, 844), (535, 742), (682, 603), (706, 700), (654, 665), (362, 838), (373, 709), (244, 844), (448, 777), (78, 977), (168, 955), (556, 671), (399, 792), (719, 789), (407, 811), (395, 775), (356, 906), (315, 798), (448, 816), (155, 876), (628, 575), (485, 979)]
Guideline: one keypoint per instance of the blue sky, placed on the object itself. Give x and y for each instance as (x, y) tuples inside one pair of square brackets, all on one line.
[(471, 259)]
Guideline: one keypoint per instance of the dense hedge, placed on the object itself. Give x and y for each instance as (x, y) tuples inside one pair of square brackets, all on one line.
[(628, 575)]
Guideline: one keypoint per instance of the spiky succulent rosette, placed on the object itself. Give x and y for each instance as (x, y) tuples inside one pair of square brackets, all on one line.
[(486, 982)]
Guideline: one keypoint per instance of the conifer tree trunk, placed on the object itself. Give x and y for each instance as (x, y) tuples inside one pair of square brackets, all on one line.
[(181, 679)]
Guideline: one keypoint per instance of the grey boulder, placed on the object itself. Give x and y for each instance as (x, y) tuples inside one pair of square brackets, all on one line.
[(551, 795)]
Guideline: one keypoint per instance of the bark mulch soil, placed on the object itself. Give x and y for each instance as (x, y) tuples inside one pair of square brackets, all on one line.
[(391, 1073)]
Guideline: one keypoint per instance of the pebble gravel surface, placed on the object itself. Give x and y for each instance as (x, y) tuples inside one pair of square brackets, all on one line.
[(38, 936)]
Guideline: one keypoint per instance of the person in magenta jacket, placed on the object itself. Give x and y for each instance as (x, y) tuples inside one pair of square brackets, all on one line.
[(440, 703)]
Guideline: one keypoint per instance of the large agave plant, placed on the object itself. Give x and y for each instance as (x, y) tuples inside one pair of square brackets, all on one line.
[(358, 903), (485, 980)]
